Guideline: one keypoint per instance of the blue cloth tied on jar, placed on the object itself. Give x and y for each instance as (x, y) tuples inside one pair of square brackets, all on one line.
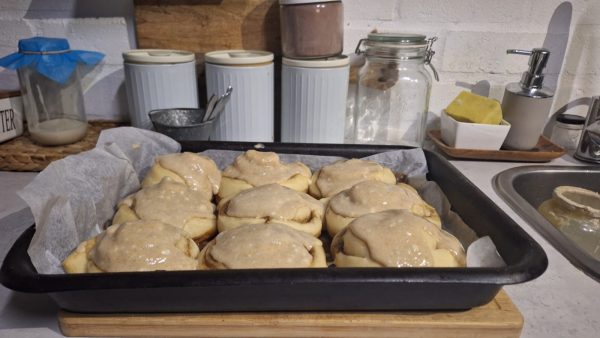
[(51, 57)]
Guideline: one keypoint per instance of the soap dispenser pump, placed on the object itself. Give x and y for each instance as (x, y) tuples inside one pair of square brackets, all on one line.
[(526, 104)]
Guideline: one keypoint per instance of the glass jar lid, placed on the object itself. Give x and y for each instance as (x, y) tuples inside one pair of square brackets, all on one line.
[(238, 57), (399, 39), (303, 2), (395, 43), (399, 46)]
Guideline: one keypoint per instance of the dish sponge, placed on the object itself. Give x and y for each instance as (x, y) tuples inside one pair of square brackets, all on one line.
[(469, 107)]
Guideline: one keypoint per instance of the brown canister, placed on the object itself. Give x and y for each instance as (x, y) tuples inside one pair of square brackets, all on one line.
[(311, 28)]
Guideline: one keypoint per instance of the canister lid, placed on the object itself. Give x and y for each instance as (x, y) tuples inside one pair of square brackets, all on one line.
[(158, 56), (570, 119), (299, 2), (330, 62), (238, 57)]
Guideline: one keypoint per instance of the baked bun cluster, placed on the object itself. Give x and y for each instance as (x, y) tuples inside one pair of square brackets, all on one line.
[(272, 203), (254, 168), (135, 246), (395, 238), (263, 246), (268, 214), (372, 196), (198, 172), (341, 175), (172, 203)]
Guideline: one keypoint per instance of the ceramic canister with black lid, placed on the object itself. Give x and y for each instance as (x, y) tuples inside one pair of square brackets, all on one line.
[(567, 130)]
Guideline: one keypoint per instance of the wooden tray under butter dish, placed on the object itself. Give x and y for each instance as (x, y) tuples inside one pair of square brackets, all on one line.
[(21, 154), (499, 318), (544, 151)]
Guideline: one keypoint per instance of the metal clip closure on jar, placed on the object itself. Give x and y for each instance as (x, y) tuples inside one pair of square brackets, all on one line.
[(399, 46)]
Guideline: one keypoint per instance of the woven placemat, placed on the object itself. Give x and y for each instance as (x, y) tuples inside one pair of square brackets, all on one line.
[(21, 154)]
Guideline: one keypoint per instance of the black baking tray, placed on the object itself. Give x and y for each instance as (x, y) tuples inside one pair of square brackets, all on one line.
[(302, 289)]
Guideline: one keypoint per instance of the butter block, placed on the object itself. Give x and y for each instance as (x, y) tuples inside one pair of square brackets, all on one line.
[(469, 107)]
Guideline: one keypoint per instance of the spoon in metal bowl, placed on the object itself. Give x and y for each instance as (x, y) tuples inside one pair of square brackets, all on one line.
[(210, 105), (219, 105)]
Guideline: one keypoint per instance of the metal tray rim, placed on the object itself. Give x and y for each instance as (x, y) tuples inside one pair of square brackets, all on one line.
[(34, 282)]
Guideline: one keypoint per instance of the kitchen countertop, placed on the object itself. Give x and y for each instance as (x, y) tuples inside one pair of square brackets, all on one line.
[(563, 302)]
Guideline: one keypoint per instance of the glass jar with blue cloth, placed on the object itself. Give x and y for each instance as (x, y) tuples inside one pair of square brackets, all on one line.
[(49, 76)]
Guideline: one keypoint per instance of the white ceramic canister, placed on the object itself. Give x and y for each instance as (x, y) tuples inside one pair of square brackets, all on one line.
[(313, 100), (159, 79), (249, 114)]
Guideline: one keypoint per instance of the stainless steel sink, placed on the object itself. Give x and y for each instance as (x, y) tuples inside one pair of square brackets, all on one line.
[(525, 188)]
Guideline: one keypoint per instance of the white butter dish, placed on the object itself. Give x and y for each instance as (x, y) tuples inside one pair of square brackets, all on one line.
[(466, 135)]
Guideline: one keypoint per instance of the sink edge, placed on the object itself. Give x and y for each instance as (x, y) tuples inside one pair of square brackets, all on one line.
[(502, 184)]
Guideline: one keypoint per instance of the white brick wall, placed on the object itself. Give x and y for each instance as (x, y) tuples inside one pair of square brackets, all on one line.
[(103, 87), (473, 36), (456, 12)]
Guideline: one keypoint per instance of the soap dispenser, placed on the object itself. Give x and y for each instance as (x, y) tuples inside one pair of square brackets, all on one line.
[(526, 104)]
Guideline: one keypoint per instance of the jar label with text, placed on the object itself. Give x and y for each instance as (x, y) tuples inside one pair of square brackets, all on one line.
[(11, 118)]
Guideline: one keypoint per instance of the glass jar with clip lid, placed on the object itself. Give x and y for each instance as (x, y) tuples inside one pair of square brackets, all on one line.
[(393, 89)]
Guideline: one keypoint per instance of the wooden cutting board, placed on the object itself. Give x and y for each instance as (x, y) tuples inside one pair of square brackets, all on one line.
[(499, 318), (201, 26)]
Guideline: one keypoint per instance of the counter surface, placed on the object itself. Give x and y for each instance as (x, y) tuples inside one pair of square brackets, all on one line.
[(560, 303)]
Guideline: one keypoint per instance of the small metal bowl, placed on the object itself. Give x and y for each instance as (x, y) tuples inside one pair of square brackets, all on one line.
[(181, 124)]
